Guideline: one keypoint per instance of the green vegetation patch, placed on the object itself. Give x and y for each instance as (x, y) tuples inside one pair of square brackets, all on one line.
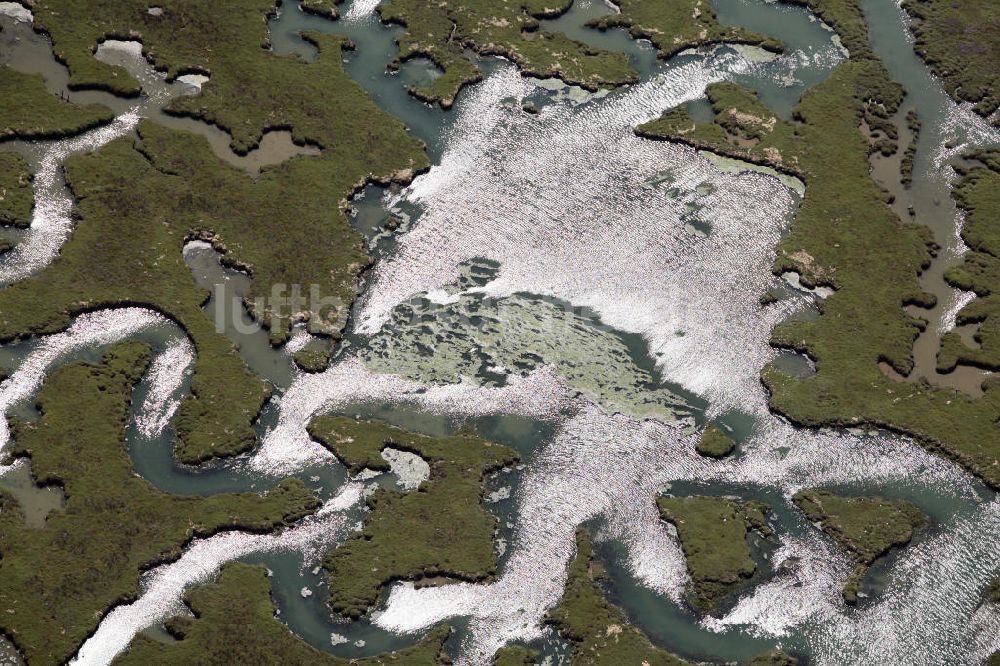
[(714, 443), (713, 535), (441, 529), (961, 44), (515, 655), (250, 89), (57, 581), (139, 204), (866, 527), (30, 111), (845, 236), (312, 360), (600, 632), (16, 197), (992, 593), (978, 195), (774, 658), (441, 31), (675, 25), (234, 623)]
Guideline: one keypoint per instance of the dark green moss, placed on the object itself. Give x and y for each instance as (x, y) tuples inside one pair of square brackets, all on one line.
[(600, 632), (16, 197), (441, 529), (713, 534), (60, 579), (441, 31), (30, 111), (961, 43), (311, 360), (675, 26), (714, 443), (866, 527), (234, 623)]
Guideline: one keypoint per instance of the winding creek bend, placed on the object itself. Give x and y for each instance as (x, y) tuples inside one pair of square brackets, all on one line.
[(646, 247)]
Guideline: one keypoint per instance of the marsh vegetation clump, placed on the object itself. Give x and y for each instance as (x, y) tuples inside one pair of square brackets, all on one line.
[(62, 577), (16, 196), (234, 622), (713, 534), (714, 443), (961, 43), (600, 632), (443, 31), (30, 111), (865, 527), (439, 530)]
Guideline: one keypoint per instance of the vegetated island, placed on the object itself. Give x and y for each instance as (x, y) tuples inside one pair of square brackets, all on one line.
[(960, 41), (866, 527), (713, 534), (57, 581), (599, 632), (846, 237), (234, 623), (714, 443), (438, 532)]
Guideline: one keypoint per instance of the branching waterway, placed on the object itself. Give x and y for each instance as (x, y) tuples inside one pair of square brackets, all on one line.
[(590, 298)]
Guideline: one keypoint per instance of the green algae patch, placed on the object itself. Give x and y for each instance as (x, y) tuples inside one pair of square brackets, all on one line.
[(311, 360), (30, 111), (58, 580), (599, 632), (713, 534), (234, 623), (16, 196), (439, 530), (678, 25), (865, 527), (961, 44), (714, 443), (442, 31), (515, 335)]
